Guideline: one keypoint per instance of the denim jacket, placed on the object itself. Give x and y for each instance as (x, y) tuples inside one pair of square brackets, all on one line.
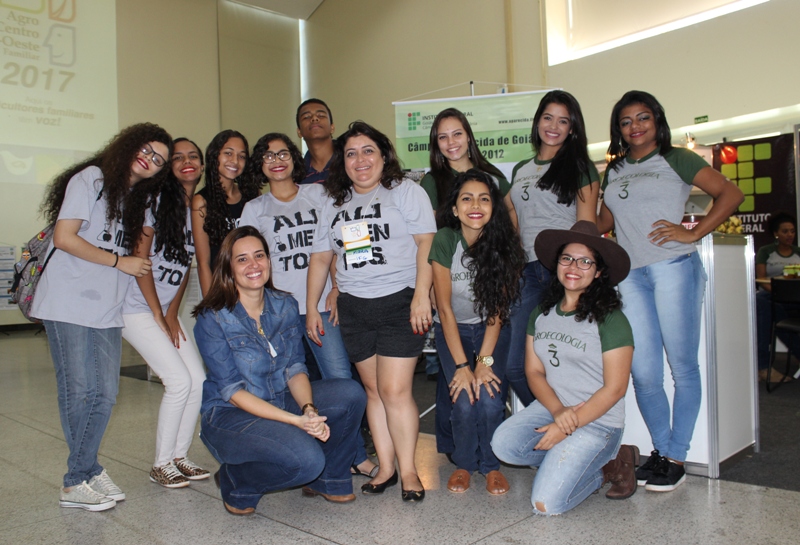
[(239, 357)]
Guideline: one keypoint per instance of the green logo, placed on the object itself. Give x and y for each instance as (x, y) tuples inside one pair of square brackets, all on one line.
[(414, 121)]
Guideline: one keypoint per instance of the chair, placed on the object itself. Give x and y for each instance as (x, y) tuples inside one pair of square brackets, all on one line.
[(784, 292)]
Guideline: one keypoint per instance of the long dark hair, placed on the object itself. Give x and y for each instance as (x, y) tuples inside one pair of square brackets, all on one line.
[(339, 185), (595, 303), (255, 170), (115, 161), (216, 223), (496, 259), (440, 166), (571, 162), (223, 292), (618, 148)]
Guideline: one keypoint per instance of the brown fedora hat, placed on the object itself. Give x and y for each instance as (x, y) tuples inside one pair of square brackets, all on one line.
[(583, 232)]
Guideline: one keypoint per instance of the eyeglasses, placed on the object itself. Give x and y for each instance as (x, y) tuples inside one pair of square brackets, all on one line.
[(271, 157), (583, 263), (157, 160)]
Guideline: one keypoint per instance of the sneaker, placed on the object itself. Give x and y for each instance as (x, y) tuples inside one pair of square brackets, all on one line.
[(84, 496), (190, 470), (666, 477), (104, 485), (168, 476), (645, 471)]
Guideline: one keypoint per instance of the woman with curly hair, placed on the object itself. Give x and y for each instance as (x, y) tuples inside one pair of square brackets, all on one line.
[(645, 189), (159, 222), (556, 187), (477, 261), (452, 150), (287, 217), (217, 207), (578, 363), (80, 295), (380, 227)]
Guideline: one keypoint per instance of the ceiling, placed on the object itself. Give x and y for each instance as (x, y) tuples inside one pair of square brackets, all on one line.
[(297, 9)]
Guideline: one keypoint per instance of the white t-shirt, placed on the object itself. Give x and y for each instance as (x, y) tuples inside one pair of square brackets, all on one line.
[(167, 275), (74, 290), (289, 229), (393, 217)]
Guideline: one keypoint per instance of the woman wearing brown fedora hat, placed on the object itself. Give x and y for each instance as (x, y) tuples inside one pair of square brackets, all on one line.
[(577, 361)]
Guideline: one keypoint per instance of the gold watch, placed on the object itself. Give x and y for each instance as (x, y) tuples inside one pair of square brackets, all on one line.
[(488, 361)]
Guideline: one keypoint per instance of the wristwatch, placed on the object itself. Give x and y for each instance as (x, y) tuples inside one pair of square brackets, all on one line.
[(309, 405), (488, 361)]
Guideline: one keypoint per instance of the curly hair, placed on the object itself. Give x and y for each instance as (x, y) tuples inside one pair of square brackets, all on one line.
[(598, 300), (571, 162), (339, 185), (255, 168), (440, 167), (777, 218), (496, 260), (115, 161), (216, 223), (618, 148), (223, 292)]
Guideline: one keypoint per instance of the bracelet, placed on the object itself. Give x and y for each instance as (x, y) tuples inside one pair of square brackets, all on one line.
[(334, 288), (307, 405), (462, 365), (116, 260)]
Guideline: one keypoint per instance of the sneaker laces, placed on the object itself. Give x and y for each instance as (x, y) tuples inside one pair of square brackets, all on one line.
[(188, 465), (661, 467), (170, 471), (89, 493), (104, 481)]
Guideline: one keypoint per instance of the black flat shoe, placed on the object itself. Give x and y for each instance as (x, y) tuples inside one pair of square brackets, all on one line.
[(413, 495), (370, 488)]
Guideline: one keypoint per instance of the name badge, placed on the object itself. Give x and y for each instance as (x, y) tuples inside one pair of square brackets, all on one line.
[(357, 245)]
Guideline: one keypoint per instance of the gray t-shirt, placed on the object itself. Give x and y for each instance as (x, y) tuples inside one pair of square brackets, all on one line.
[(768, 255), (644, 191), (448, 250), (572, 355), (74, 290), (393, 217), (167, 275), (289, 229), (538, 209)]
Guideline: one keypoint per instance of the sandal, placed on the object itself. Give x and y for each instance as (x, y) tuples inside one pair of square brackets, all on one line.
[(355, 471)]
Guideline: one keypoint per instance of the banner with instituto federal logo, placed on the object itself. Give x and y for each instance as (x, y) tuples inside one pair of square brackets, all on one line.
[(501, 124)]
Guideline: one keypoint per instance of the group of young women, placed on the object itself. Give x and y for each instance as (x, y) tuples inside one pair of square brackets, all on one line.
[(358, 271)]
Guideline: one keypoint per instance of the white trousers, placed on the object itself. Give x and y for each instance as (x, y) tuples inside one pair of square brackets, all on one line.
[(181, 371)]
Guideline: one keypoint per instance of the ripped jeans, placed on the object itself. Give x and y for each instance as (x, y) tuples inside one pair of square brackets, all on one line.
[(570, 471)]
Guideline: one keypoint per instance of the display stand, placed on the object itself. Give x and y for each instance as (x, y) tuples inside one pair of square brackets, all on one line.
[(728, 420)]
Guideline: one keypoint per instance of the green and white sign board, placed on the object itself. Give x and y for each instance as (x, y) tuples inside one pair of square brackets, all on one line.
[(501, 124)]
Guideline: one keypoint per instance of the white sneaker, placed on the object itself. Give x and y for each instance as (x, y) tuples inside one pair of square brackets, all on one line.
[(104, 485), (84, 497)]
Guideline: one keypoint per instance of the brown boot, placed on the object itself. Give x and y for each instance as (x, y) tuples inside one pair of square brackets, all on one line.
[(621, 473)]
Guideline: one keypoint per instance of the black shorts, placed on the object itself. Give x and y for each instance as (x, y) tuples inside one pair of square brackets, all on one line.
[(379, 326)]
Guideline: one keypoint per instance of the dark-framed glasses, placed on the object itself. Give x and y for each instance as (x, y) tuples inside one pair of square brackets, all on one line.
[(147, 150), (583, 263), (271, 156)]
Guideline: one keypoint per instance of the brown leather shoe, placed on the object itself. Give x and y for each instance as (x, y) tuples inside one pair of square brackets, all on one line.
[(333, 498), (458, 481), (239, 512), (496, 483), (621, 473)]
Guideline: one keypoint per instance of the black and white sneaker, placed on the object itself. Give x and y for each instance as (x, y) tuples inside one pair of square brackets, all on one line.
[(645, 471), (667, 476)]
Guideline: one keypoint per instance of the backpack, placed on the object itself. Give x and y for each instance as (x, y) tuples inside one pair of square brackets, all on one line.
[(29, 270)]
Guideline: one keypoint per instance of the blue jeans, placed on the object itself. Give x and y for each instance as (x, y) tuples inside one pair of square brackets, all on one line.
[(87, 363), (663, 303), (474, 425), (333, 362), (570, 471), (260, 456), (764, 327), (535, 281)]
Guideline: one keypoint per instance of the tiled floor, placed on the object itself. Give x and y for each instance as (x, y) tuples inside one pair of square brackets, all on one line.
[(33, 455)]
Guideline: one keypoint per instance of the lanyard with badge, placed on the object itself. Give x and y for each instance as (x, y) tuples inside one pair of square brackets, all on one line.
[(355, 236)]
